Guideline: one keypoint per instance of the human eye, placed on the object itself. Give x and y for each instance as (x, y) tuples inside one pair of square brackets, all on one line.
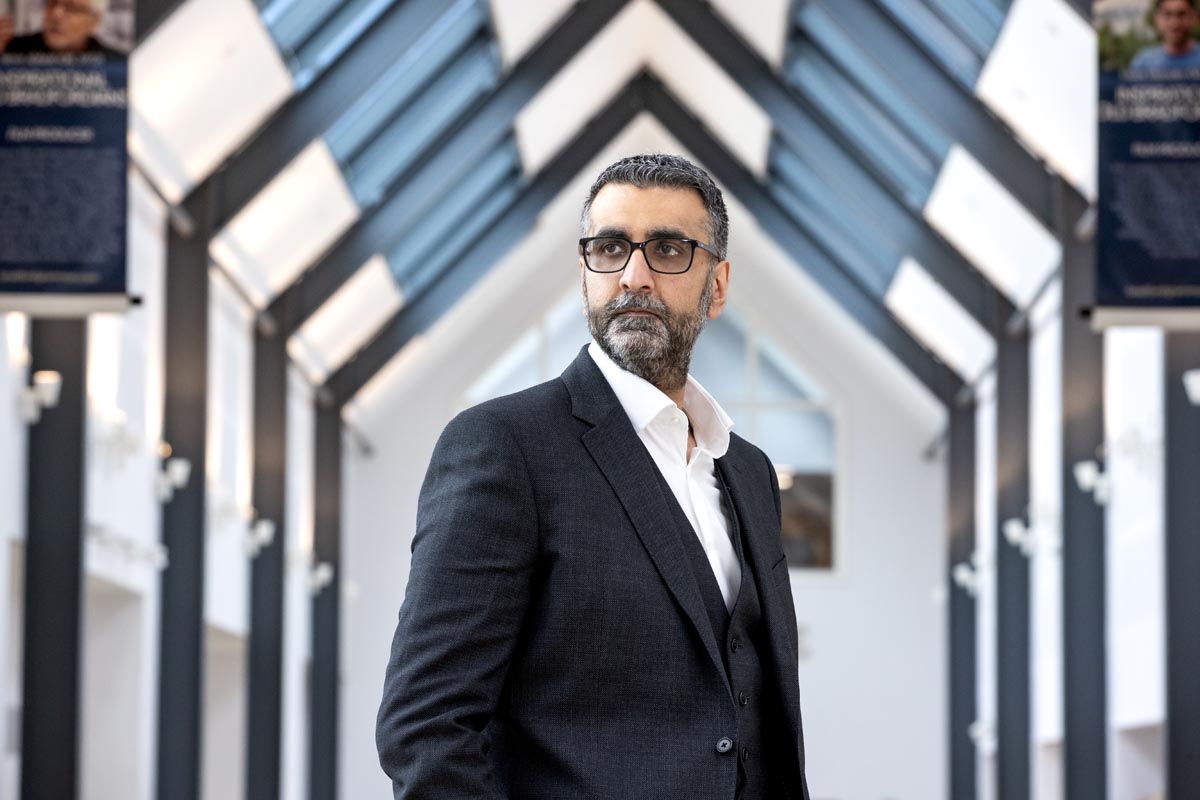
[(611, 247), (668, 248)]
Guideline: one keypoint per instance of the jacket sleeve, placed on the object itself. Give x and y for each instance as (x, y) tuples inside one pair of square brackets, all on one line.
[(473, 559)]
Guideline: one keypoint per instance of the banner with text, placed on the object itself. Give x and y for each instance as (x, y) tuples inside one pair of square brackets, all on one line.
[(1148, 236), (63, 159)]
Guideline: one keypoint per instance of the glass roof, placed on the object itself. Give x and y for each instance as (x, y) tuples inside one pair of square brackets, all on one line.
[(869, 152)]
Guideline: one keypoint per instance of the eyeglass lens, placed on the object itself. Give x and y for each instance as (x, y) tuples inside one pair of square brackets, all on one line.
[(663, 255)]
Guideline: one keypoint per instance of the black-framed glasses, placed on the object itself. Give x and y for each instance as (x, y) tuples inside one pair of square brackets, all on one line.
[(668, 255)]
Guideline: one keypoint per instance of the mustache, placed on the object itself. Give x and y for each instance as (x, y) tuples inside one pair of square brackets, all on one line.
[(641, 302)]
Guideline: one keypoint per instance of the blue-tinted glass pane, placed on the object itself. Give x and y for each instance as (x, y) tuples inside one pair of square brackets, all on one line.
[(426, 118), (802, 440), (457, 243), (429, 234), (291, 22), (977, 22), (911, 171), (719, 361), (334, 37), (404, 79), (942, 43), (870, 78), (845, 246)]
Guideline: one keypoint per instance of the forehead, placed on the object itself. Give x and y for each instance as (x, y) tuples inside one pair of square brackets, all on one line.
[(635, 210), (1176, 6)]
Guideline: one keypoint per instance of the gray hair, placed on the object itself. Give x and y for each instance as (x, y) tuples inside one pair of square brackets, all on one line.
[(668, 171)]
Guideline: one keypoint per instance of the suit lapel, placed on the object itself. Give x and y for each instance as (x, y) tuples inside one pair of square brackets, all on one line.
[(621, 456), (756, 511)]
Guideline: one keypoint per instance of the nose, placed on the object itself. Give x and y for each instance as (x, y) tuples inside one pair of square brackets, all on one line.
[(637, 275)]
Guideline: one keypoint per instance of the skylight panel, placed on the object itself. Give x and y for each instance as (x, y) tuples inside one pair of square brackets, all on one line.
[(938, 321), (347, 320), (977, 215), (1056, 118), (192, 105), (299, 214)]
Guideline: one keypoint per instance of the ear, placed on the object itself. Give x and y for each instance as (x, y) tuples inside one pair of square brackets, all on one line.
[(720, 292)]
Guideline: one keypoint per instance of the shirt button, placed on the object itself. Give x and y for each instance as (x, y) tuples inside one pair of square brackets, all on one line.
[(745, 754), (734, 644), (743, 699), (724, 744)]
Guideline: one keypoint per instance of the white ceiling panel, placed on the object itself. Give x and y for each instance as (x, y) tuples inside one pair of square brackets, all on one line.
[(996, 233), (200, 85), (763, 24), (346, 321), (288, 224), (708, 91), (939, 322), (1056, 117), (520, 24), (580, 89), (640, 36)]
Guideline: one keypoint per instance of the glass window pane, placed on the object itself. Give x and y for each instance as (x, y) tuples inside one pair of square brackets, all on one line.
[(801, 440)]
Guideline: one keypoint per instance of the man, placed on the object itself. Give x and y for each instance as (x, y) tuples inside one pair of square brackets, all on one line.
[(1175, 20), (599, 605), (68, 26)]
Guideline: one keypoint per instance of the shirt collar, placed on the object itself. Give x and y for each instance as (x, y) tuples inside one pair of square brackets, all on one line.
[(644, 402)]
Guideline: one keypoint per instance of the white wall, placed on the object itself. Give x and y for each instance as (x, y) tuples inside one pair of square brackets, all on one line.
[(873, 686)]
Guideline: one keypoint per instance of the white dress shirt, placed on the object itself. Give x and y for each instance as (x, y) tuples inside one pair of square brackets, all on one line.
[(663, 428)]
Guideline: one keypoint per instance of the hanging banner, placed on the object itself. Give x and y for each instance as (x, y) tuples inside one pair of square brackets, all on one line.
[(1148, 207), (63, 159)]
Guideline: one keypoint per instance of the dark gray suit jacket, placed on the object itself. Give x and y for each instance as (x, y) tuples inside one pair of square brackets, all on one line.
[(553, 642)]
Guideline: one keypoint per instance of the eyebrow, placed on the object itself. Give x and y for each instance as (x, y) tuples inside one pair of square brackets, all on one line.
[(663, 232)]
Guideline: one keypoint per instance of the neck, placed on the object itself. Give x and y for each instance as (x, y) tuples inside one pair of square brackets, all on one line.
[(1181, 49)]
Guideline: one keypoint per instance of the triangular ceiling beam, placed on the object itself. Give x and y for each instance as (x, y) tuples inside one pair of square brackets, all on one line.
[(309, 114), (485, 126), (644, 93)]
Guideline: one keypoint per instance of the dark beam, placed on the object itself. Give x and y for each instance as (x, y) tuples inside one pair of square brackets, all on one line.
[(1085, 732), (798, 122), (269, 490), (951, 105), (446, 160), (856, 298), (326, 607), (54, 569), (1014, 742), (448, 288), (961, 627), (858, 196), (955, 108), (185, 421), (149, 14), (308, 114), (1183, 565)]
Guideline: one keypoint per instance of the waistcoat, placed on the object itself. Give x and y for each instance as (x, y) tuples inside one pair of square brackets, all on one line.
[(741, 638)]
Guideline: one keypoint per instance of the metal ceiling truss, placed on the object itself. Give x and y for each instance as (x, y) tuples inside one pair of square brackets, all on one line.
[(465, 267), (846, 168), (446, 160), (310, 114), (644, 93)]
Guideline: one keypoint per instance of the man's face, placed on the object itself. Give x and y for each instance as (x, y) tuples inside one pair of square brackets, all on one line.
[(67, 24), (647, 322), (1174, 20)]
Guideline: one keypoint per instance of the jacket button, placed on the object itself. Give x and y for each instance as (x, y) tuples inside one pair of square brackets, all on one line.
[(724, 744), (743, 699), (734, 644)]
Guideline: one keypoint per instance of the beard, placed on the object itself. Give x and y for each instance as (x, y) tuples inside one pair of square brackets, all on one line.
[(656, 347)]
